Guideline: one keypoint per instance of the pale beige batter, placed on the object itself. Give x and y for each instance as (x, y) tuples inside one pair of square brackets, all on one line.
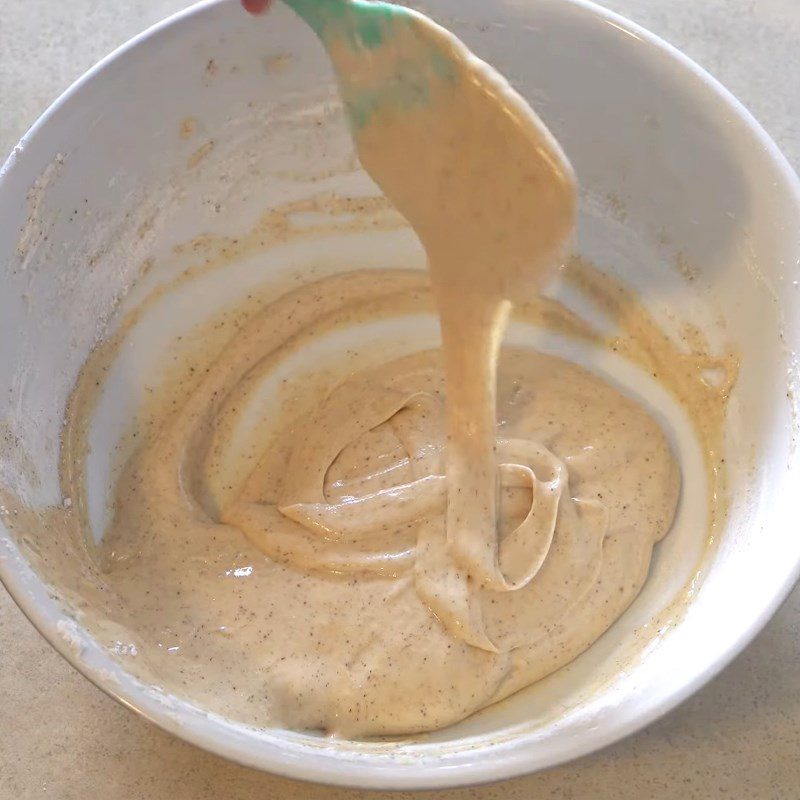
[(323, 619), (364, 579)]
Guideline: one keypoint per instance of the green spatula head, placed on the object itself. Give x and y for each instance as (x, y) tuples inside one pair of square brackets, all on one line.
[(383, 54), (362, 24)]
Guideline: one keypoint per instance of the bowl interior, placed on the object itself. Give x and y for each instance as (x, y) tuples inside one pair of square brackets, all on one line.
[(204, 124)]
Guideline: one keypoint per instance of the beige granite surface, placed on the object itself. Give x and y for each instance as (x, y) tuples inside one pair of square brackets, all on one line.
[(738, 738)]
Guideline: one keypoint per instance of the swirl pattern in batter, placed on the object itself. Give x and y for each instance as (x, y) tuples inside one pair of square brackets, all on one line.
[(318, 593)]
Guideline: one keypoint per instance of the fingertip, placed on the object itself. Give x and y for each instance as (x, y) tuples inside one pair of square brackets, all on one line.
[(255, 6)]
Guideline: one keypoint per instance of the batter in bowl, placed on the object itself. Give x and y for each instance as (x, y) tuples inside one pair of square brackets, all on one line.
[(320, 593), (424, 536)]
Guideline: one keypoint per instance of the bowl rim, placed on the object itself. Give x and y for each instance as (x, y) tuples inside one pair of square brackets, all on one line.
[(31, 596)]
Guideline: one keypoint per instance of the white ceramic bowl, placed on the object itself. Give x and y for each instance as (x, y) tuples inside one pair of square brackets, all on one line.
[(673, 170)]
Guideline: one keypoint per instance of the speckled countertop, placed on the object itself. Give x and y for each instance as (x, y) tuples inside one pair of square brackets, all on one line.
[(738, 738)]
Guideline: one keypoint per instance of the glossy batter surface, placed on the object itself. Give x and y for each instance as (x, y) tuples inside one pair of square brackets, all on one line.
[(309, 595)]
